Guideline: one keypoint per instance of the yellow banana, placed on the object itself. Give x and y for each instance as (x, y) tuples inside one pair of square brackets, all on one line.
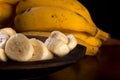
[(90, 50), (88, 39), (6, 11), (100, 33), (10, 1), (52, 18), (72, 5)]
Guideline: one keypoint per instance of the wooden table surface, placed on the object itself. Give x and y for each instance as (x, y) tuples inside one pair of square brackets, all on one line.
[(104, 66)]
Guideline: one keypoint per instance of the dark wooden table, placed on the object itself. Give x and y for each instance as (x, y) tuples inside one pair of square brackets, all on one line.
[(104, 66)]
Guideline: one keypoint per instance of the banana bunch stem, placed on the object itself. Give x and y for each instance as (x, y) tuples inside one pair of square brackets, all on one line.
[(102, 35)]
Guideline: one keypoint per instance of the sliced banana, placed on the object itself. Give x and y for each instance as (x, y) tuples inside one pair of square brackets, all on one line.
[(57, 46), (8, 31), (59, 35), (72, 41), (3, 56), (3, 40), (19, 48), (40, 51)]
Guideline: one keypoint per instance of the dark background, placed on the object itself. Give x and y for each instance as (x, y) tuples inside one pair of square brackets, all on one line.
[(103, 13)]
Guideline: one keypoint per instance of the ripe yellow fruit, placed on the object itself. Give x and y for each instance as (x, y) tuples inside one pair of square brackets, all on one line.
[(90, 40), (72, 5), (52, 18), (10, 1), (6, 11), (90, 50)]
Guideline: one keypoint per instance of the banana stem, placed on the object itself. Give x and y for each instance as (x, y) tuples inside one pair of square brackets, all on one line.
[(102, 35)]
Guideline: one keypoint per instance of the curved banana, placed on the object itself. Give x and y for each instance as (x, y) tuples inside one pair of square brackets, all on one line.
[(13, 2), (72, 5), (52, 18), (6, 11), (100, 34), (87, 39), (90, 50)]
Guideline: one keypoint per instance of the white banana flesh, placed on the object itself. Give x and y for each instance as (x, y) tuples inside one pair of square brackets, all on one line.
[(3, 40), (8, 31), (59, 35), (60, 44), (40, 50), (72, 41), (57, 46), (3, 56), (19, 48)]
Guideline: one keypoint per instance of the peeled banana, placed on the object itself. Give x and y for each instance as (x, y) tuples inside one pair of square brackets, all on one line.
[(52, 18), (59, 35), (3, 40), (90, 44), (40, 51), (72, 41), (19, 48), (57, 46), (3, 56), (8, 30)]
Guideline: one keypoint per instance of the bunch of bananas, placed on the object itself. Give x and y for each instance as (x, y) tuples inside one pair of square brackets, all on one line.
[(67, 16)]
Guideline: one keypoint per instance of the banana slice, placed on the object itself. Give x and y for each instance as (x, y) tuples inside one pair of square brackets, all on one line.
[(72, 42), (57, 46), (40, 51), (59, 35), (3, 56), (3, 40), (8, 31), (19, 48)]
